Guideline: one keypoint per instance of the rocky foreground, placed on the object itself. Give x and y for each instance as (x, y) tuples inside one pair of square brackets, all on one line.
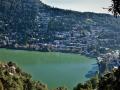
[(13, 78), (110, 81)]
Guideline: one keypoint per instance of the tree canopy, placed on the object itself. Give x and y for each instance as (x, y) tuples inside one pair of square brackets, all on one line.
[(115, 7)]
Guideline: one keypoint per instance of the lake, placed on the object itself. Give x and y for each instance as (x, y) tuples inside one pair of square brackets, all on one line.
[(53, 68)]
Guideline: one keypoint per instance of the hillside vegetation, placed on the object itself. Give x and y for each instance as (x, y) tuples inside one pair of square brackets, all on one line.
[(109, 81), (33, 25), (13, 78)]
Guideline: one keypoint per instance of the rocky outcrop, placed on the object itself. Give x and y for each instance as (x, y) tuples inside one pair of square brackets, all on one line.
[(13, 78)]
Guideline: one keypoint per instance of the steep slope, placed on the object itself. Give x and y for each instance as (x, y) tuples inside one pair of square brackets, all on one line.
[(33, 25), (17, 16), (13, 78), (109, 81)]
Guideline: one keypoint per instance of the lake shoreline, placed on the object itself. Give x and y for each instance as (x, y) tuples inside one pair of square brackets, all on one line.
[(46, 51), (48, 66)]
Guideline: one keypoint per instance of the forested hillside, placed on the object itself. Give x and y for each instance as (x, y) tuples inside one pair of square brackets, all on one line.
[(34, 25)]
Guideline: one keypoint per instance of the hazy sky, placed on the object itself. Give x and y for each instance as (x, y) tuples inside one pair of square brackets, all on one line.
[(81, 5)]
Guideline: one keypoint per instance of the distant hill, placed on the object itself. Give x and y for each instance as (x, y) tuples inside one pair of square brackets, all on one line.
[(33, 24)]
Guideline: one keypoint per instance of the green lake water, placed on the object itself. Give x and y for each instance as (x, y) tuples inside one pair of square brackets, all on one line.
[(53, 68)]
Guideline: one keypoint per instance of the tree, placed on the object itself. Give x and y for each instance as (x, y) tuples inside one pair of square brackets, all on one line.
[(115, 7)]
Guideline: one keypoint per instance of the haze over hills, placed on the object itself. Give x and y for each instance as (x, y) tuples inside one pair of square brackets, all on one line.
[(34, 25), (81, 5)]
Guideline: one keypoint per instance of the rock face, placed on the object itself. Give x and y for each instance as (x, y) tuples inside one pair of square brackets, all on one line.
[(31, 24)]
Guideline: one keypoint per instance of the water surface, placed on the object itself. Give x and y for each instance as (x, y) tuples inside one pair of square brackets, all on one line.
[(54, 69)]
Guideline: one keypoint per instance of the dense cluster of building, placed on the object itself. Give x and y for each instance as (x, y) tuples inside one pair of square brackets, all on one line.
[(77, 40), (109, 61), (33, 25)]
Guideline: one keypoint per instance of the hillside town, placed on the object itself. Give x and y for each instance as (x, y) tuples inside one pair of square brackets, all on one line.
[(108, 62), (37, 26), (90, 43)]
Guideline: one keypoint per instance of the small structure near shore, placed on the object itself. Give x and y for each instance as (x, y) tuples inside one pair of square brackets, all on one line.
[(108, 61)]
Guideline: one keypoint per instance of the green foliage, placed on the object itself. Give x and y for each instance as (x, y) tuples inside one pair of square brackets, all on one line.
[(1, 86), (54, 25), (89, 85), (110, 81), (11, 79)]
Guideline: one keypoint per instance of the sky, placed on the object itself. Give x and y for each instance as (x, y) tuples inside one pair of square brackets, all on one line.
[(81, 5)]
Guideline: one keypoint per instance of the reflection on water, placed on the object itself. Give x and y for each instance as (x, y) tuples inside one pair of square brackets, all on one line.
[(92, 72)]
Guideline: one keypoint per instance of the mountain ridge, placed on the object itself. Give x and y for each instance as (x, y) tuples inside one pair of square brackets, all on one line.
[(36, 26)]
